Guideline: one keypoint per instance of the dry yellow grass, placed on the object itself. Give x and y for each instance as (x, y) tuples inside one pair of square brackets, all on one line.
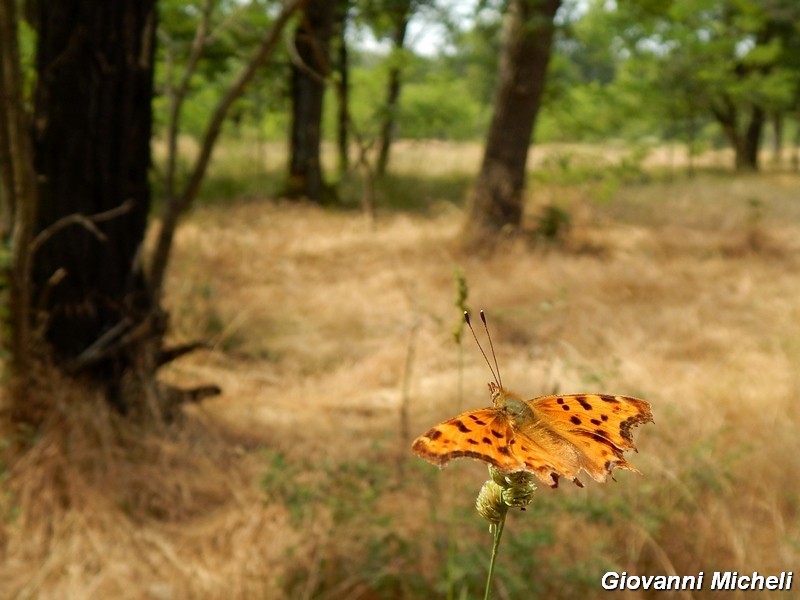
[(670, 292)]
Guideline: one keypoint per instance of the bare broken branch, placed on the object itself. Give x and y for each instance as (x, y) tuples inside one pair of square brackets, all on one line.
[(87, 222), (167, 355)]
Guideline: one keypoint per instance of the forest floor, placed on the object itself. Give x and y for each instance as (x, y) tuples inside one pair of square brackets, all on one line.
[(333, 344)]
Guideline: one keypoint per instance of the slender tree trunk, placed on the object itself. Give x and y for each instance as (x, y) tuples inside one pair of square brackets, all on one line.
[(343, 89), (19, 196), (92, 156), (312, 65), (402, 16), (497, 199), (777, 138)]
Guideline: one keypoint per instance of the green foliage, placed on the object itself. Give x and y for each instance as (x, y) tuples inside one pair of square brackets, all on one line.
[(475, 57), (717, 58), (434, 103), (440, 108), (628, 70), (235, 29)]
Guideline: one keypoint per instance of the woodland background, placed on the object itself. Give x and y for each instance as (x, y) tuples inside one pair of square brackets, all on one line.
[(239, 237)]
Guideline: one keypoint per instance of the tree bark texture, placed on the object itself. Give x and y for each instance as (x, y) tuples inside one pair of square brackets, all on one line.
[(92, 127), (497, 198), (312, 42)]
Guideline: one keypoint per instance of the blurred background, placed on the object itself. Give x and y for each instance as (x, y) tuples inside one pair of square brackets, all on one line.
[(239, 238)]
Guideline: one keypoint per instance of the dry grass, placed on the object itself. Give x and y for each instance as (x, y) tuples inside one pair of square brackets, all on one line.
[(660, 293)]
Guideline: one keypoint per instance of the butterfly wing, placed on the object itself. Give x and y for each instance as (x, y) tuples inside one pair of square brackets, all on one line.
[(487, 434), (599, 426)]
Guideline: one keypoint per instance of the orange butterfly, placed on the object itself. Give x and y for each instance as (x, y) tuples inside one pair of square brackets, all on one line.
[(551, 436)]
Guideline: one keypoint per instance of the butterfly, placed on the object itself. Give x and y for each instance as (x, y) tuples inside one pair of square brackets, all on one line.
[(551, 436)]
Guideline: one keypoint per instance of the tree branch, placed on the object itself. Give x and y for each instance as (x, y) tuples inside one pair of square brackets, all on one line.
[(178, 95), (175, 206), (79, 219)]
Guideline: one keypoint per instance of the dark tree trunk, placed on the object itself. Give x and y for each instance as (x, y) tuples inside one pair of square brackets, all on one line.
[(92, 155), (745, 144), (497, 198), (312, 41), (401, 18), (752, 140)]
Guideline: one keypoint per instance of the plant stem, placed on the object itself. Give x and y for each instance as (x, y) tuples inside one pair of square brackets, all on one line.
[(498, 532)]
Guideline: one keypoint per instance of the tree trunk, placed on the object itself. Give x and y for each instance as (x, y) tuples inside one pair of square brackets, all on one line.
[(312, 40), (18, 195), (92, 156), (401, 18), (777, 138), (497, 199), (343, 89), (752, 139), (745, 144)]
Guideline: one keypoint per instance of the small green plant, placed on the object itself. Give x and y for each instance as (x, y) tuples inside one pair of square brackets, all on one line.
[(553, 223)]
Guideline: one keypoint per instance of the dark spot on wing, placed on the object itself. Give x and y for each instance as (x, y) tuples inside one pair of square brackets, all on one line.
[(461, 427), (496, 434), (487, 440), (608, 398), (625, 428), (596, 421), (471, 441), (472, 454), (434, 434), (600, 432), (565, 407), (503, 450), (559, 400), (477, 420), (575, 420), (604, 417), (582, 401)]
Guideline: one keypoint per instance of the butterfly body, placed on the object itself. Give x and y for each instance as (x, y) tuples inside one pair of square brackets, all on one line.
[(550, 436)]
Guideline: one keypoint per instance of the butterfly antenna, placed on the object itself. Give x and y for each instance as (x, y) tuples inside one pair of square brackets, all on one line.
[(486, 358), (491, 347)]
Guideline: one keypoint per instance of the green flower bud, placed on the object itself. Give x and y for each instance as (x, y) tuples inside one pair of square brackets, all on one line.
[(519, 496), (490, 503)]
